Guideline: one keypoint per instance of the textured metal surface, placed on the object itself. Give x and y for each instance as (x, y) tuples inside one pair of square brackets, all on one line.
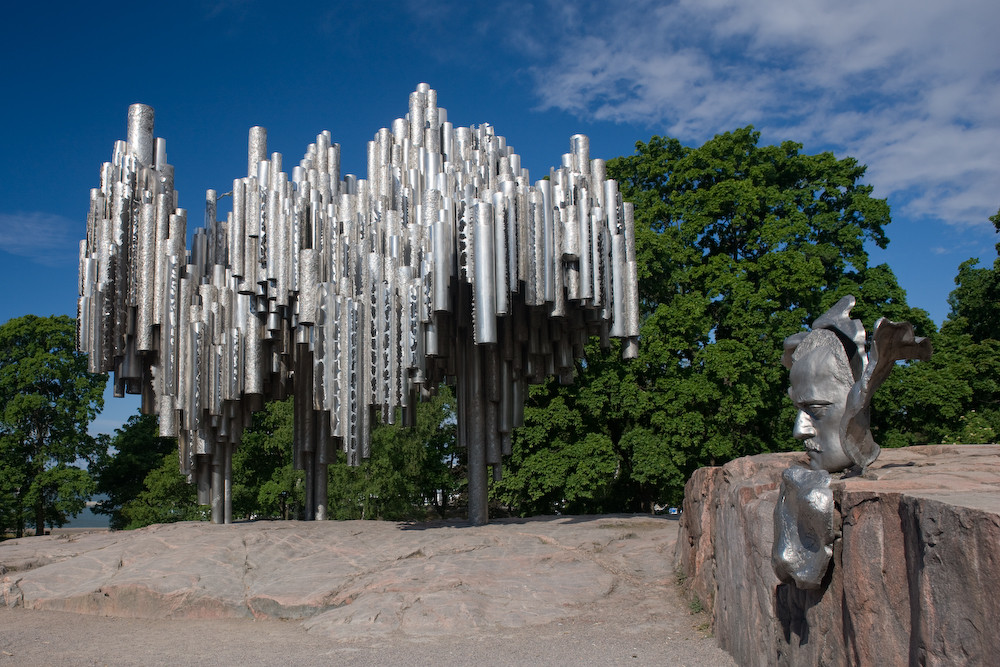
[(805, 527), (356, 295), (835, 371)]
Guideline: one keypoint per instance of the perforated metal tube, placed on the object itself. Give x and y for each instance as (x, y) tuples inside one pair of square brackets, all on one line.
[(140, 133)]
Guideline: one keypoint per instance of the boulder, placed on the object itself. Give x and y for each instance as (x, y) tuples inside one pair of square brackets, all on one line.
[(915, 577)]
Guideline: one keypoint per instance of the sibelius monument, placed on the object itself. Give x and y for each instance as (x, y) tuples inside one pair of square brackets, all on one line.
[(357, 296)]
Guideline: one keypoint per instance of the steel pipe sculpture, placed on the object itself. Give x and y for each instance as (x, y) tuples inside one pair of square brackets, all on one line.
[(357, 296)]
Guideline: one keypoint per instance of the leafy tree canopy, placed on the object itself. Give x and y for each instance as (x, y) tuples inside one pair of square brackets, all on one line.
[(47, 400), (265, 484), (954, 397), (409, 468), (124, 462), (166, 497), (738, 246)]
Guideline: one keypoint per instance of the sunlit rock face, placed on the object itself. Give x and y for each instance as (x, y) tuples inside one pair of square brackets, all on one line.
[(914, 579)]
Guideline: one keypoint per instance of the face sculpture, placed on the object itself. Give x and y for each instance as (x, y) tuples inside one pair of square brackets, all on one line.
[(831, 392), (820, 382)]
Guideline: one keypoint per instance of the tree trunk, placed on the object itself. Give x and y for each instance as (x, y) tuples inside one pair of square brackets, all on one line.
[(40, 516), (19, 531)]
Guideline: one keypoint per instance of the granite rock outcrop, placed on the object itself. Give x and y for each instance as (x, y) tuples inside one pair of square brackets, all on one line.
[(357, 579), (915, 577)]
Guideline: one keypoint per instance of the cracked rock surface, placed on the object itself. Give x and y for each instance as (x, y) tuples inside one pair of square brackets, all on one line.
[(359, 581)]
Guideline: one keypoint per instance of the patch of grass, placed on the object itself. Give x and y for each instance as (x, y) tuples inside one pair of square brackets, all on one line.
[(696, 605)]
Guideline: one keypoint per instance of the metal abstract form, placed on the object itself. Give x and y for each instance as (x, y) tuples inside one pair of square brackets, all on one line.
[(833, 378), (835, 370), (805, 528), (358, 296)]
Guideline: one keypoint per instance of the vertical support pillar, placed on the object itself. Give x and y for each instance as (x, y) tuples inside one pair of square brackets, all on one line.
[(479, 514), (203, 475), (320, 492), (218, 468), (309, 465), (228, 481)]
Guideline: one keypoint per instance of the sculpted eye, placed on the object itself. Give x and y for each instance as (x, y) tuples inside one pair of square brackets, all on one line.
[(816, 410)]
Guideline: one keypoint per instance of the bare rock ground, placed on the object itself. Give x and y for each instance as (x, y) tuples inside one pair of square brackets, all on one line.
[(555, 591)]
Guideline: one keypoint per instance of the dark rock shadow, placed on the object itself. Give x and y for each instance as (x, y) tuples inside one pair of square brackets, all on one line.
[(791, 608)]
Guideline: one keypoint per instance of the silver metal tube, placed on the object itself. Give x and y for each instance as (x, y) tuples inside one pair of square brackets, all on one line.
[(484, 287), (140, 133), (227, 480), (417, 119), (256, 148), (501, 257), (598, 265), (570, 221), (307, 286), (586, 289), (218, 491), (619, 273), (352, 295), (146, 277)]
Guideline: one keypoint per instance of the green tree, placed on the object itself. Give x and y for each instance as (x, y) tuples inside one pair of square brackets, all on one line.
[(264, 482), (124, 462), (407, 469), (738, 246), (954, 397), (166, 497), (47, 400)]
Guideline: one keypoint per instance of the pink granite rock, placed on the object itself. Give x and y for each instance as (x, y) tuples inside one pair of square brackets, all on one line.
[(355, 579), (915, 577)]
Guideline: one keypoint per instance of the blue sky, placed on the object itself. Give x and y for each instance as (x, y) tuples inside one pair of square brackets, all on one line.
[(910, 89)]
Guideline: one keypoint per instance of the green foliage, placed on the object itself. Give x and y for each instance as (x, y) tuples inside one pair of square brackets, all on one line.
[(954, 397), (558, 464), (265, 485), (47, 400), (406, 470), (124, 462), (167, 497), (738, 246), (974, 300)]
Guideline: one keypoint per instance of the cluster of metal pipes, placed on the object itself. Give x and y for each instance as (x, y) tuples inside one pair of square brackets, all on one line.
[(356, 296)]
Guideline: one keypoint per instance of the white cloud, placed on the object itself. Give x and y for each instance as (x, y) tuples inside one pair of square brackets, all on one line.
[(51, 240), (910, 89)]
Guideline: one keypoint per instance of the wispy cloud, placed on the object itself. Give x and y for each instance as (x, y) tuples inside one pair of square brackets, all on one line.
[(50, 240), (911, 90), (215, 8)]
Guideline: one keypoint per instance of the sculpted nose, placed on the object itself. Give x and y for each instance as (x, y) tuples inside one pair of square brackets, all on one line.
[(803, 426)]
